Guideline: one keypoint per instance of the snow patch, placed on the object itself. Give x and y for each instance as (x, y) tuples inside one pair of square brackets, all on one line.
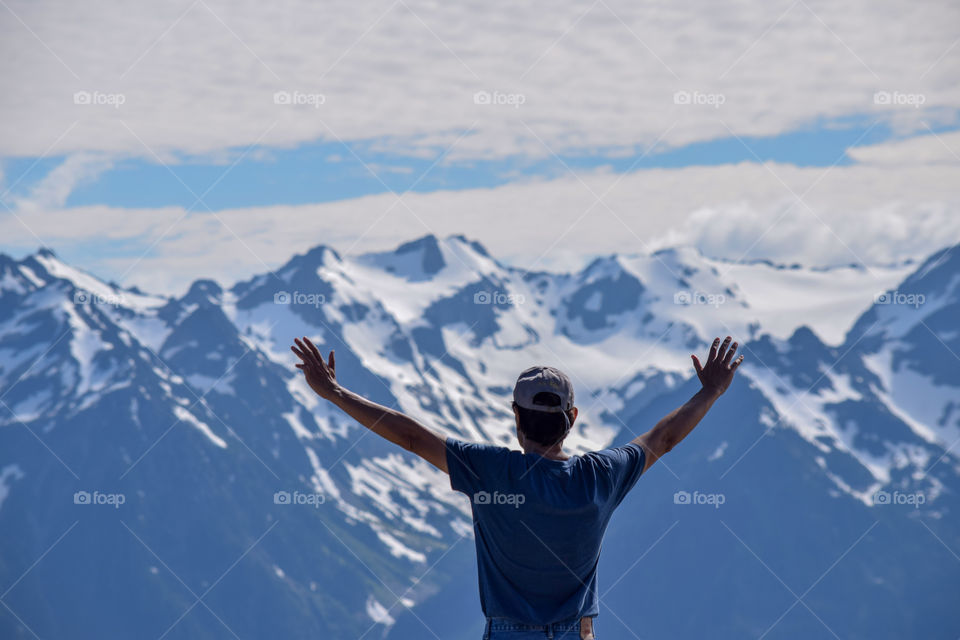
[(322, 482), (293, 419), (378, 613), (185, 416), (718, 452), (31, 276), (916, 400), (33, 406), (8, 475), (204, 384), (398, 549)]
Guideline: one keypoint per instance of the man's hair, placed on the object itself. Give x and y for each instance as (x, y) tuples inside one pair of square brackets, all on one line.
[(543, 428)]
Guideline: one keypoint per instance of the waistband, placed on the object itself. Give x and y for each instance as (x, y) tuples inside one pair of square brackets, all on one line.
[(506, 624)]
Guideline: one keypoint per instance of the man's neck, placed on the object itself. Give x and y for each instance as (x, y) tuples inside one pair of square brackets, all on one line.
[(551, 453)]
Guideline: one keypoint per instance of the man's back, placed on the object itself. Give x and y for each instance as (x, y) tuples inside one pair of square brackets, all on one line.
[(539, 524)]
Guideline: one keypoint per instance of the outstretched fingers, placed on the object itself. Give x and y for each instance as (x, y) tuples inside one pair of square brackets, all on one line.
[(304, 353), (314, 350), (696, 364), (722, 352), (736, 363), (713, 350), (298, 352), (729, 357)]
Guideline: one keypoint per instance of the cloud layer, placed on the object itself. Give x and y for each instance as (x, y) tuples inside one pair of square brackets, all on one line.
[(815, 216), (99, 82), (200, 76)]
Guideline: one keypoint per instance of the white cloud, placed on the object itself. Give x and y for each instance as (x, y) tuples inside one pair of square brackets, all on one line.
[(200, 75), (931, 149), (874, 214), (53, 190), (883, 235)]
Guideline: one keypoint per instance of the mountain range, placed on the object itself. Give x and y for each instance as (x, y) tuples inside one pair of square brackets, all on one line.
[(165, 471)]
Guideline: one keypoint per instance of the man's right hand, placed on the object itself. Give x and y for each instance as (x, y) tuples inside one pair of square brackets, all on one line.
[(321, 376), (717, 374)]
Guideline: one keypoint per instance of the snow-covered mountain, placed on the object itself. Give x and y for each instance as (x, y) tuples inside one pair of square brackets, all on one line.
[(166, 472)]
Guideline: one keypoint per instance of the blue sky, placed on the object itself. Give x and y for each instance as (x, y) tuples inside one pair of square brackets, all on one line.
[(329, 171)]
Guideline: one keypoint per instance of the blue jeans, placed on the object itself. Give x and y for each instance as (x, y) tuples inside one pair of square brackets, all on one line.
[(506, 629)]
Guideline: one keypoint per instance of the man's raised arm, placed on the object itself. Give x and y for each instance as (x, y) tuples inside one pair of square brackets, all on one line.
[(392, 425), (715, 376)]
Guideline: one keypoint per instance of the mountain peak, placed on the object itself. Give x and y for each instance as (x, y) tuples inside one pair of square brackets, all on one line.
[(924, 298), (682, 254), (319, 253), (312, 259), (429, 248), (473, 244), (937, 271), (416, 260), (204, 291)]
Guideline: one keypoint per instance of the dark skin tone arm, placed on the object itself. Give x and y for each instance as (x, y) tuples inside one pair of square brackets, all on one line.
[(715, 377), (396, 427)]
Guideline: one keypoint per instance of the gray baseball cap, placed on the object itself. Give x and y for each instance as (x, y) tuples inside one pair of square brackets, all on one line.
[(540, 379)]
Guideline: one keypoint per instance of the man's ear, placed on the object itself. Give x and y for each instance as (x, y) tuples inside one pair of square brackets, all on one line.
[(516, 421), (574, 412)]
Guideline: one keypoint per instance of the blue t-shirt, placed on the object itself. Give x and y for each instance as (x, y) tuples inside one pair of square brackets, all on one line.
[(539, 523)]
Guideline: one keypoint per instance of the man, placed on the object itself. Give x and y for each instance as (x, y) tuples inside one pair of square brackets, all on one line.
[(539, 516)]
